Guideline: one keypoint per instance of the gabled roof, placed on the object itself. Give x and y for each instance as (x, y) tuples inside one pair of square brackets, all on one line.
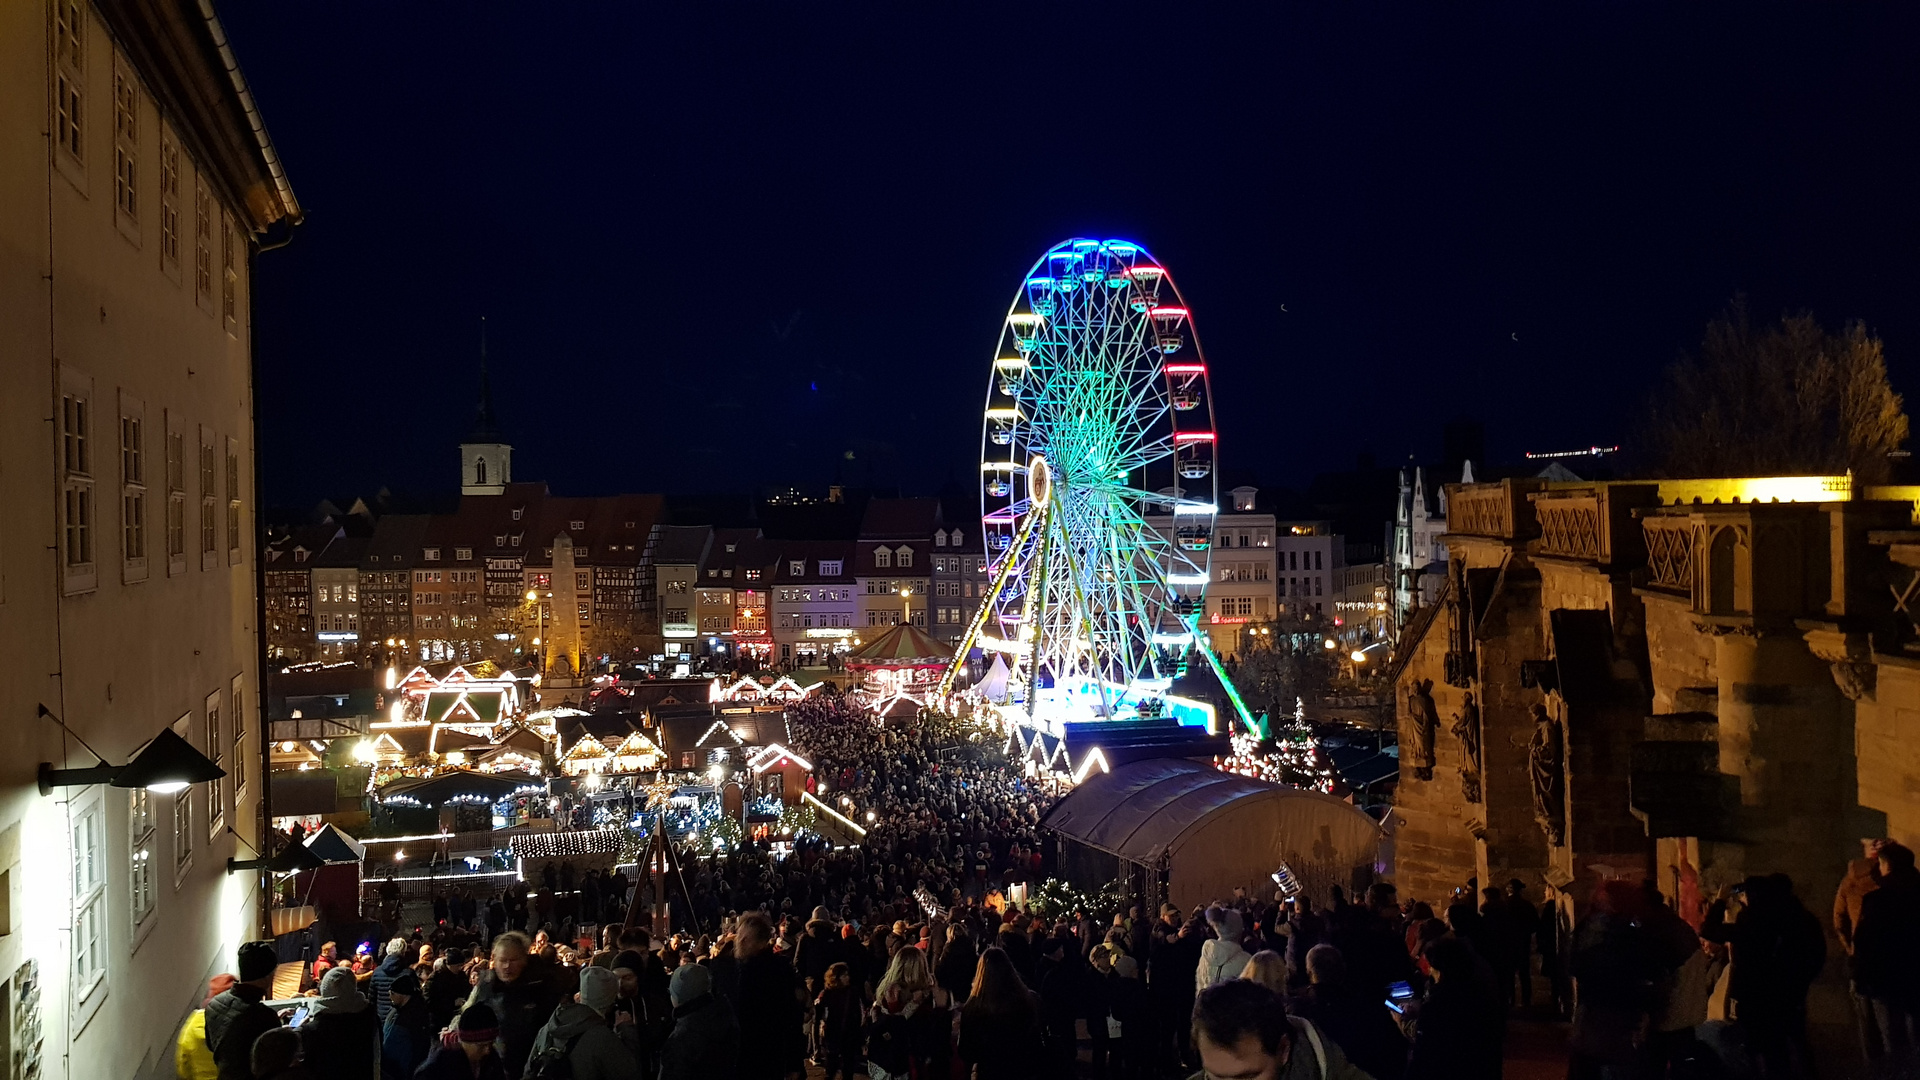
[(682, 545), (900, 519)]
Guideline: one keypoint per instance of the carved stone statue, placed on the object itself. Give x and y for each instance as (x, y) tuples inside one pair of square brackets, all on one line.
[(1425, 721), (1466, 727), (1546, 760)]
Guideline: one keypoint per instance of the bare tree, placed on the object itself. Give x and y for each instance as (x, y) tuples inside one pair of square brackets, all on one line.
[(1780, 400)]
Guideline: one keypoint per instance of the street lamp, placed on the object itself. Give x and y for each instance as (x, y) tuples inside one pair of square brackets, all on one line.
[(165, 765)]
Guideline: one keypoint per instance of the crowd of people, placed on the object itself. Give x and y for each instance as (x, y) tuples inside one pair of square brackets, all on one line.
[(905, 957)]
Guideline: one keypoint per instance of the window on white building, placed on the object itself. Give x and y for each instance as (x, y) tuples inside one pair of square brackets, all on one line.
[(903, 556), (797, 567), (140, 851), (89, 902), (830, 568), (882, 557)]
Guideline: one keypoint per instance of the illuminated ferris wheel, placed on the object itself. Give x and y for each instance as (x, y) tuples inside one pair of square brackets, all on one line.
[(1098, 486)]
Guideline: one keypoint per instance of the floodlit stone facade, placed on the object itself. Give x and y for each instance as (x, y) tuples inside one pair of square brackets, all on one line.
[(1689, 681), (136, 189)]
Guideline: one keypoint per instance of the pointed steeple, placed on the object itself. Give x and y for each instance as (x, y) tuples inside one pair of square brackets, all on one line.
[(484, 428)]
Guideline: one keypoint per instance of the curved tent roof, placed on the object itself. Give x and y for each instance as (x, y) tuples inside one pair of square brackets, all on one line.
[(1142, 811), (435, 790), (904, 646)]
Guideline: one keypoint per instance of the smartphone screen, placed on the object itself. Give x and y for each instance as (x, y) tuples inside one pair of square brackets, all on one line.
[(1399, 991), (1395, 1006)]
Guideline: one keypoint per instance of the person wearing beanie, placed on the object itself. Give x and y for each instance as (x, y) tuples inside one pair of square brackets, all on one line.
[(579, 1034), (466, 1052), (192, 1057), (408, 1032), (236, 1017), (341, 1037), (706, 1038)]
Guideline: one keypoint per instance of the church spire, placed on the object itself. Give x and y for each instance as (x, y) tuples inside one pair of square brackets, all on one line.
[(484, 428)]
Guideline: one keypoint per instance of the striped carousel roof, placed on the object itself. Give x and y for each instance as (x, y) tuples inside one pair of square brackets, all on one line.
[(904, 646)]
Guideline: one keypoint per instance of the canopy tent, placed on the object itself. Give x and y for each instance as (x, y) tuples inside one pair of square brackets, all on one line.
[(993, 685), (1215, 831), (335, 846)]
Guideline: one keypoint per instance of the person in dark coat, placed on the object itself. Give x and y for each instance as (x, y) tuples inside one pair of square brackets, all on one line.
[(1361, 1025), (1459, 1031), (954, 972), (469, 1055), (1523, 921), (999, 1028), (840, 1022), (276, 1056), (408, 1034), (705, 1043), (236, 1018), (818, 950), (391, 965), (341, 1037), (446, 989), (1886, 952), (520, 992), (768, 1005), (1775, 949)]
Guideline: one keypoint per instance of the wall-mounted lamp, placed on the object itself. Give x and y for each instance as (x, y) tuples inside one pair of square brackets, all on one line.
[(291, 860), (165, 765)]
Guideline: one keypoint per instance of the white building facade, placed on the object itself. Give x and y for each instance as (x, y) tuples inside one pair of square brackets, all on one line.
[(129, 600)]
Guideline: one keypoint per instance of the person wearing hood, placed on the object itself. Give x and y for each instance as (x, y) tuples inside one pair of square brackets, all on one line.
[(705, 1044), (1221, 958), (236, 1017), (408, 1032), (341, 1037), (578, 1032), (192, 1057), (467, 1052)]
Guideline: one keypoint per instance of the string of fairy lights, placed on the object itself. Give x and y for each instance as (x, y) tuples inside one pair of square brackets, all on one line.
[(1295, 757)]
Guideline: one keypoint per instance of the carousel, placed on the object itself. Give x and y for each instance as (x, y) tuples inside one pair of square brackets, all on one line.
[(899, 671)]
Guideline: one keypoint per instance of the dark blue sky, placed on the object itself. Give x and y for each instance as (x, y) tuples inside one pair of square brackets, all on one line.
[(720, 246)]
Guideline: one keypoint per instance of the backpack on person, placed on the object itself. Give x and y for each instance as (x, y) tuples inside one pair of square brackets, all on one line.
[(553, 1063)]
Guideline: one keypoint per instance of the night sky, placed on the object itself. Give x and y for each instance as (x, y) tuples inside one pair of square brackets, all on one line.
[(721, 247)]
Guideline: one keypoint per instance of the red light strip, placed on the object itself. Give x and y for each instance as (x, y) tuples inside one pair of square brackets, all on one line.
[(1168, 313), (1186, 369)]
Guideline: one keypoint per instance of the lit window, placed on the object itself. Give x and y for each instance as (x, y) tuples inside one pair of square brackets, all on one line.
[(797, 567), (216, 749), (140, 854), (89, 901)]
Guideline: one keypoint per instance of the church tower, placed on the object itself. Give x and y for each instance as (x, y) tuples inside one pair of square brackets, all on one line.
[(486, 461)]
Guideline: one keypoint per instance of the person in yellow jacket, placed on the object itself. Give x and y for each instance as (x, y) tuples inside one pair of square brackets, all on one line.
[(193, 1058)]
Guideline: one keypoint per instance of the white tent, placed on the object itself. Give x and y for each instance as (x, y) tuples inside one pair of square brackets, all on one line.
[(993, 686)]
